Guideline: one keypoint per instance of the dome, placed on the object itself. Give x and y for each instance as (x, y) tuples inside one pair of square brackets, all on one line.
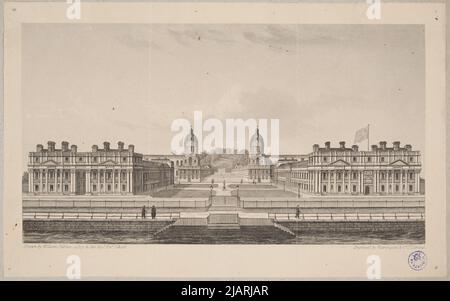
[(256, 144), (190, 143)]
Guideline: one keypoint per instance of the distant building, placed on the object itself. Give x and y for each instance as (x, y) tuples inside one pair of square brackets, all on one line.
[(382, 170), (100, 171), (260, 165), (188, 167)]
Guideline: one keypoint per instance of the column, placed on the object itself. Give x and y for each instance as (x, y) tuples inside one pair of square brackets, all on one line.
[(55, 183), (114, 180), (131, 181), (128, 180), (334, 180), (98, 180), (40, 180), (343, 182), (88, 181), (320, 181), (30, 180), (362, 182), (417, 181), (392, 182), (350, 190), (72, 180), (329, 181), (401, 181), (46, 180), (104, 180)]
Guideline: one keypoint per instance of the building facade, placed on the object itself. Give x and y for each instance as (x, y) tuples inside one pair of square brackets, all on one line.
[(100, 171), (259, 165), (338, 171)]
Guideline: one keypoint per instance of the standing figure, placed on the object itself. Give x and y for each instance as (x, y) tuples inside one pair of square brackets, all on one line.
[(297, 212), (153, 212), (143, 212)]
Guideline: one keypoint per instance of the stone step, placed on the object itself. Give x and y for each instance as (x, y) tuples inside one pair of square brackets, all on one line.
[(224, 226)]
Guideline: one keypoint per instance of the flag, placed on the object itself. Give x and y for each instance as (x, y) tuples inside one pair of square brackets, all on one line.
[(362, 134)]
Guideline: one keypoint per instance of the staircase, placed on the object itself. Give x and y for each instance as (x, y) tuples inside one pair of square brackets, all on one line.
[(223, 221)]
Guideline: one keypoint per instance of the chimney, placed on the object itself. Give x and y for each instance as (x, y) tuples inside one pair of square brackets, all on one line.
[(354, 147), (94, 148), (51, 146), (315, 147), (106, 146), (383, 145), (327, 145), (342, 144), (64, 146), (408, 147), (374, 147), (73, 148), (396, 145), (131, 148), (120, 145), (39, 148)]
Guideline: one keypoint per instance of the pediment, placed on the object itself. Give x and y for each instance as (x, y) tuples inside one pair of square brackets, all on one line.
[(339, 162), (109, 162), (399, 163), (49, 163)]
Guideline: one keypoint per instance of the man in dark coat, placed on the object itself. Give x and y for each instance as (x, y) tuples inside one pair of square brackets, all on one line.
[(153, 212), (297, 212), (144, 211)]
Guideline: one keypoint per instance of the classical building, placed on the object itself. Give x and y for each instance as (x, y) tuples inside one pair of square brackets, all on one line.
[(188, 167), (100, 171), (342, 170), (260, 165)]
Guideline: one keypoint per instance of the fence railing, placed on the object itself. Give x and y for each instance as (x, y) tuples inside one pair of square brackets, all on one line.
[(360, 203), (115, 203), (97, 216), (346, 216)]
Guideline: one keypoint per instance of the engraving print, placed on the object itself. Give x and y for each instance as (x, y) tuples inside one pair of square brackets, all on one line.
[(223, 134)]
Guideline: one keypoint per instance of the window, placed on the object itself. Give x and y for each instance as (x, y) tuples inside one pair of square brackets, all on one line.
[(354, 188), (382, 159), (124, 159), (324, 159), (324, 188), (339, 188), (36, 187), (396, 188), (411, 176), (339, 176), (382, 188), (124, 188), (354, 175), (66, 188), (331, 188), (66, 159), (94, 187), (36, 159), (396, 176), (109, 187), (354, 159), (369, 159), (383, 176), (411, 159), (80, 159), (95, 159), (410, 188), (51, 188)]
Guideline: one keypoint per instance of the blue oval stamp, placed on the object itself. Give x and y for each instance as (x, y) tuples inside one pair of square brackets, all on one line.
[(417, 260)]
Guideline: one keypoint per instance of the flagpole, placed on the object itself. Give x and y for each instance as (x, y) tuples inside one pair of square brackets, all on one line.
[(368, 135)]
